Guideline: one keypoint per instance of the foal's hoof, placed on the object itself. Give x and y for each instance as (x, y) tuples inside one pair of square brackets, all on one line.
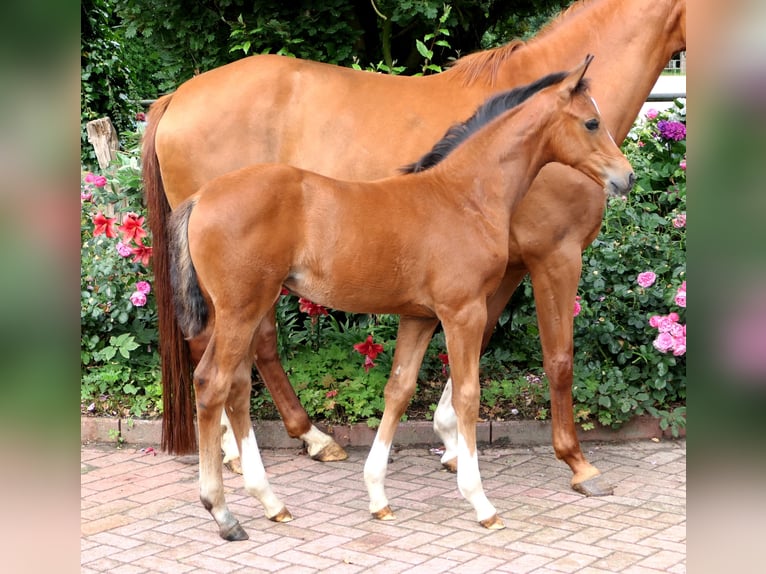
[(234, 465), (450, 465), (494, 522), (333, 452), (594, 487), (282, 516), (384, 513), (234, 533)]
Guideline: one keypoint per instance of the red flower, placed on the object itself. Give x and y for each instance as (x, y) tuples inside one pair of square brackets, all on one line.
[(132, 229), (103, 224), (444, 358), (141, 253), (312, 309), (284, 291), (369, 348), (331, 394)]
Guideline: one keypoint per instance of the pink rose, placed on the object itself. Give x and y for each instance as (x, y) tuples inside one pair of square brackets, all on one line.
[(666, 323), (682, 164), (651, 113), (680, 221), (646, 279), (679, 346), (138, 299), (663, 342), (654, 321), (680, 297), (86, 196), (143, 287), (123, 249), (577, 306), (676, 330)]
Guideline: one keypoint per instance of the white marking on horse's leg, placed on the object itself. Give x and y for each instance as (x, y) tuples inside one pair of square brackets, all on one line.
[(375, 474), (228, 440), (445, 423), (469, 481), (254, 473), (315, 440)]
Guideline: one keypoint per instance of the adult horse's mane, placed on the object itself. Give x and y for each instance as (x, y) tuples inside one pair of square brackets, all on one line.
[(488, 111), (474, 67)]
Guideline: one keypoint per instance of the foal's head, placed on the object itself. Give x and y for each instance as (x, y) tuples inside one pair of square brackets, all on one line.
[(573, 131), (578, 137)]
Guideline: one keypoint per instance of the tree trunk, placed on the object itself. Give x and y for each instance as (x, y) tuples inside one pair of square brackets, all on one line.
[(103, 137)]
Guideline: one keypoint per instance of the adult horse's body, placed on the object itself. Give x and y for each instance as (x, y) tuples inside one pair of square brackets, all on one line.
[(440, 239), (358, 125)]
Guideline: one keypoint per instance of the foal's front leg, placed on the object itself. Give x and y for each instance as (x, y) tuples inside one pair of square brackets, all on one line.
[(411, 343), (462, 331)]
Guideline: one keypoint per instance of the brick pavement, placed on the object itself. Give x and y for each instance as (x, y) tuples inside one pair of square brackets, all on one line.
[(141, 513)]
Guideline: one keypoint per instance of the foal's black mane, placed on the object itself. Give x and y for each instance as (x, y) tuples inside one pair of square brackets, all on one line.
[(488, 111)]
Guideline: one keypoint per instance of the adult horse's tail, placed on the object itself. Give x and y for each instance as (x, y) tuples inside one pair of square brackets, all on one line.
[(178, 433)]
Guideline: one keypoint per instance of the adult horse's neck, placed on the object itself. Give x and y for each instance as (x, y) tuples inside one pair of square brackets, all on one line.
[(631, 39)]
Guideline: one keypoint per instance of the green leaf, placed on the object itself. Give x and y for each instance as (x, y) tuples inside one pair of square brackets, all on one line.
[(424, 51)]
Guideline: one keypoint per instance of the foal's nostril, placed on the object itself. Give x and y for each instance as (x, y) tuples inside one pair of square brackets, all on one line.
[(631, 180)]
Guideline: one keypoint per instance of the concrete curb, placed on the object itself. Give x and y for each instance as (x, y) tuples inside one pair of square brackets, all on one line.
[(271, 434)]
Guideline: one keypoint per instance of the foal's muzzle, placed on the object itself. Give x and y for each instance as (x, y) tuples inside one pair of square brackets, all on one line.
[(620, 187)]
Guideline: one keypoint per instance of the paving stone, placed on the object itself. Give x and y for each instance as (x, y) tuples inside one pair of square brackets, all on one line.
[(141, 513)]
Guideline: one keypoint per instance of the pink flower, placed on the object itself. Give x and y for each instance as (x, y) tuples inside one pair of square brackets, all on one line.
[(143, 287), (646, 279), (123, 249), (103, 224), (679, 346), (577, 306), (140, 117), (682, 164), (680, 297), (665, 324), (368, 363), (86, 196), (651, 113), (97, 180), (654, 321), (663, 343), (138, 299), (331, 394), (679, 221)]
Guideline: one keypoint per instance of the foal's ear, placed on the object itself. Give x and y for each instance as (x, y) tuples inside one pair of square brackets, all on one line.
[(574, 79)]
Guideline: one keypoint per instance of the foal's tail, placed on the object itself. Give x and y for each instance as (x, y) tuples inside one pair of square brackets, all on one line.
[(178, 433), (190, 304)]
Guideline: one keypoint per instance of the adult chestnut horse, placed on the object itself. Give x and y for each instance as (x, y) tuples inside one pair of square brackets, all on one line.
[(440, 238), (358, 125)]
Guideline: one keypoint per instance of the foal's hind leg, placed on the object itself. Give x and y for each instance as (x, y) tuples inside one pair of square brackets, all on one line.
[(555, 283), (411, 344)]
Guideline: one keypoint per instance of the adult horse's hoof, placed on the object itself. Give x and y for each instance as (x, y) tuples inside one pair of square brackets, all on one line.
[(451, 465), (234, 465), (234, 533), (494, 522), (384, 513), (594, 487), (282, 516), (333, 452)]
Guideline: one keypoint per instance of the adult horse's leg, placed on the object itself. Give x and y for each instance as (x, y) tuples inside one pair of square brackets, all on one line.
[(445, 419), (462, 330), (320, 446), (411, 343), (555, 279)]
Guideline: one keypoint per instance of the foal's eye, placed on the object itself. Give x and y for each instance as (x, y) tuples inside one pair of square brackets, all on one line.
[(592, 125)]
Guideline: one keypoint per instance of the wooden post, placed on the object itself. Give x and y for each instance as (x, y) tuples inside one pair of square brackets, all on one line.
[(103, 137)]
